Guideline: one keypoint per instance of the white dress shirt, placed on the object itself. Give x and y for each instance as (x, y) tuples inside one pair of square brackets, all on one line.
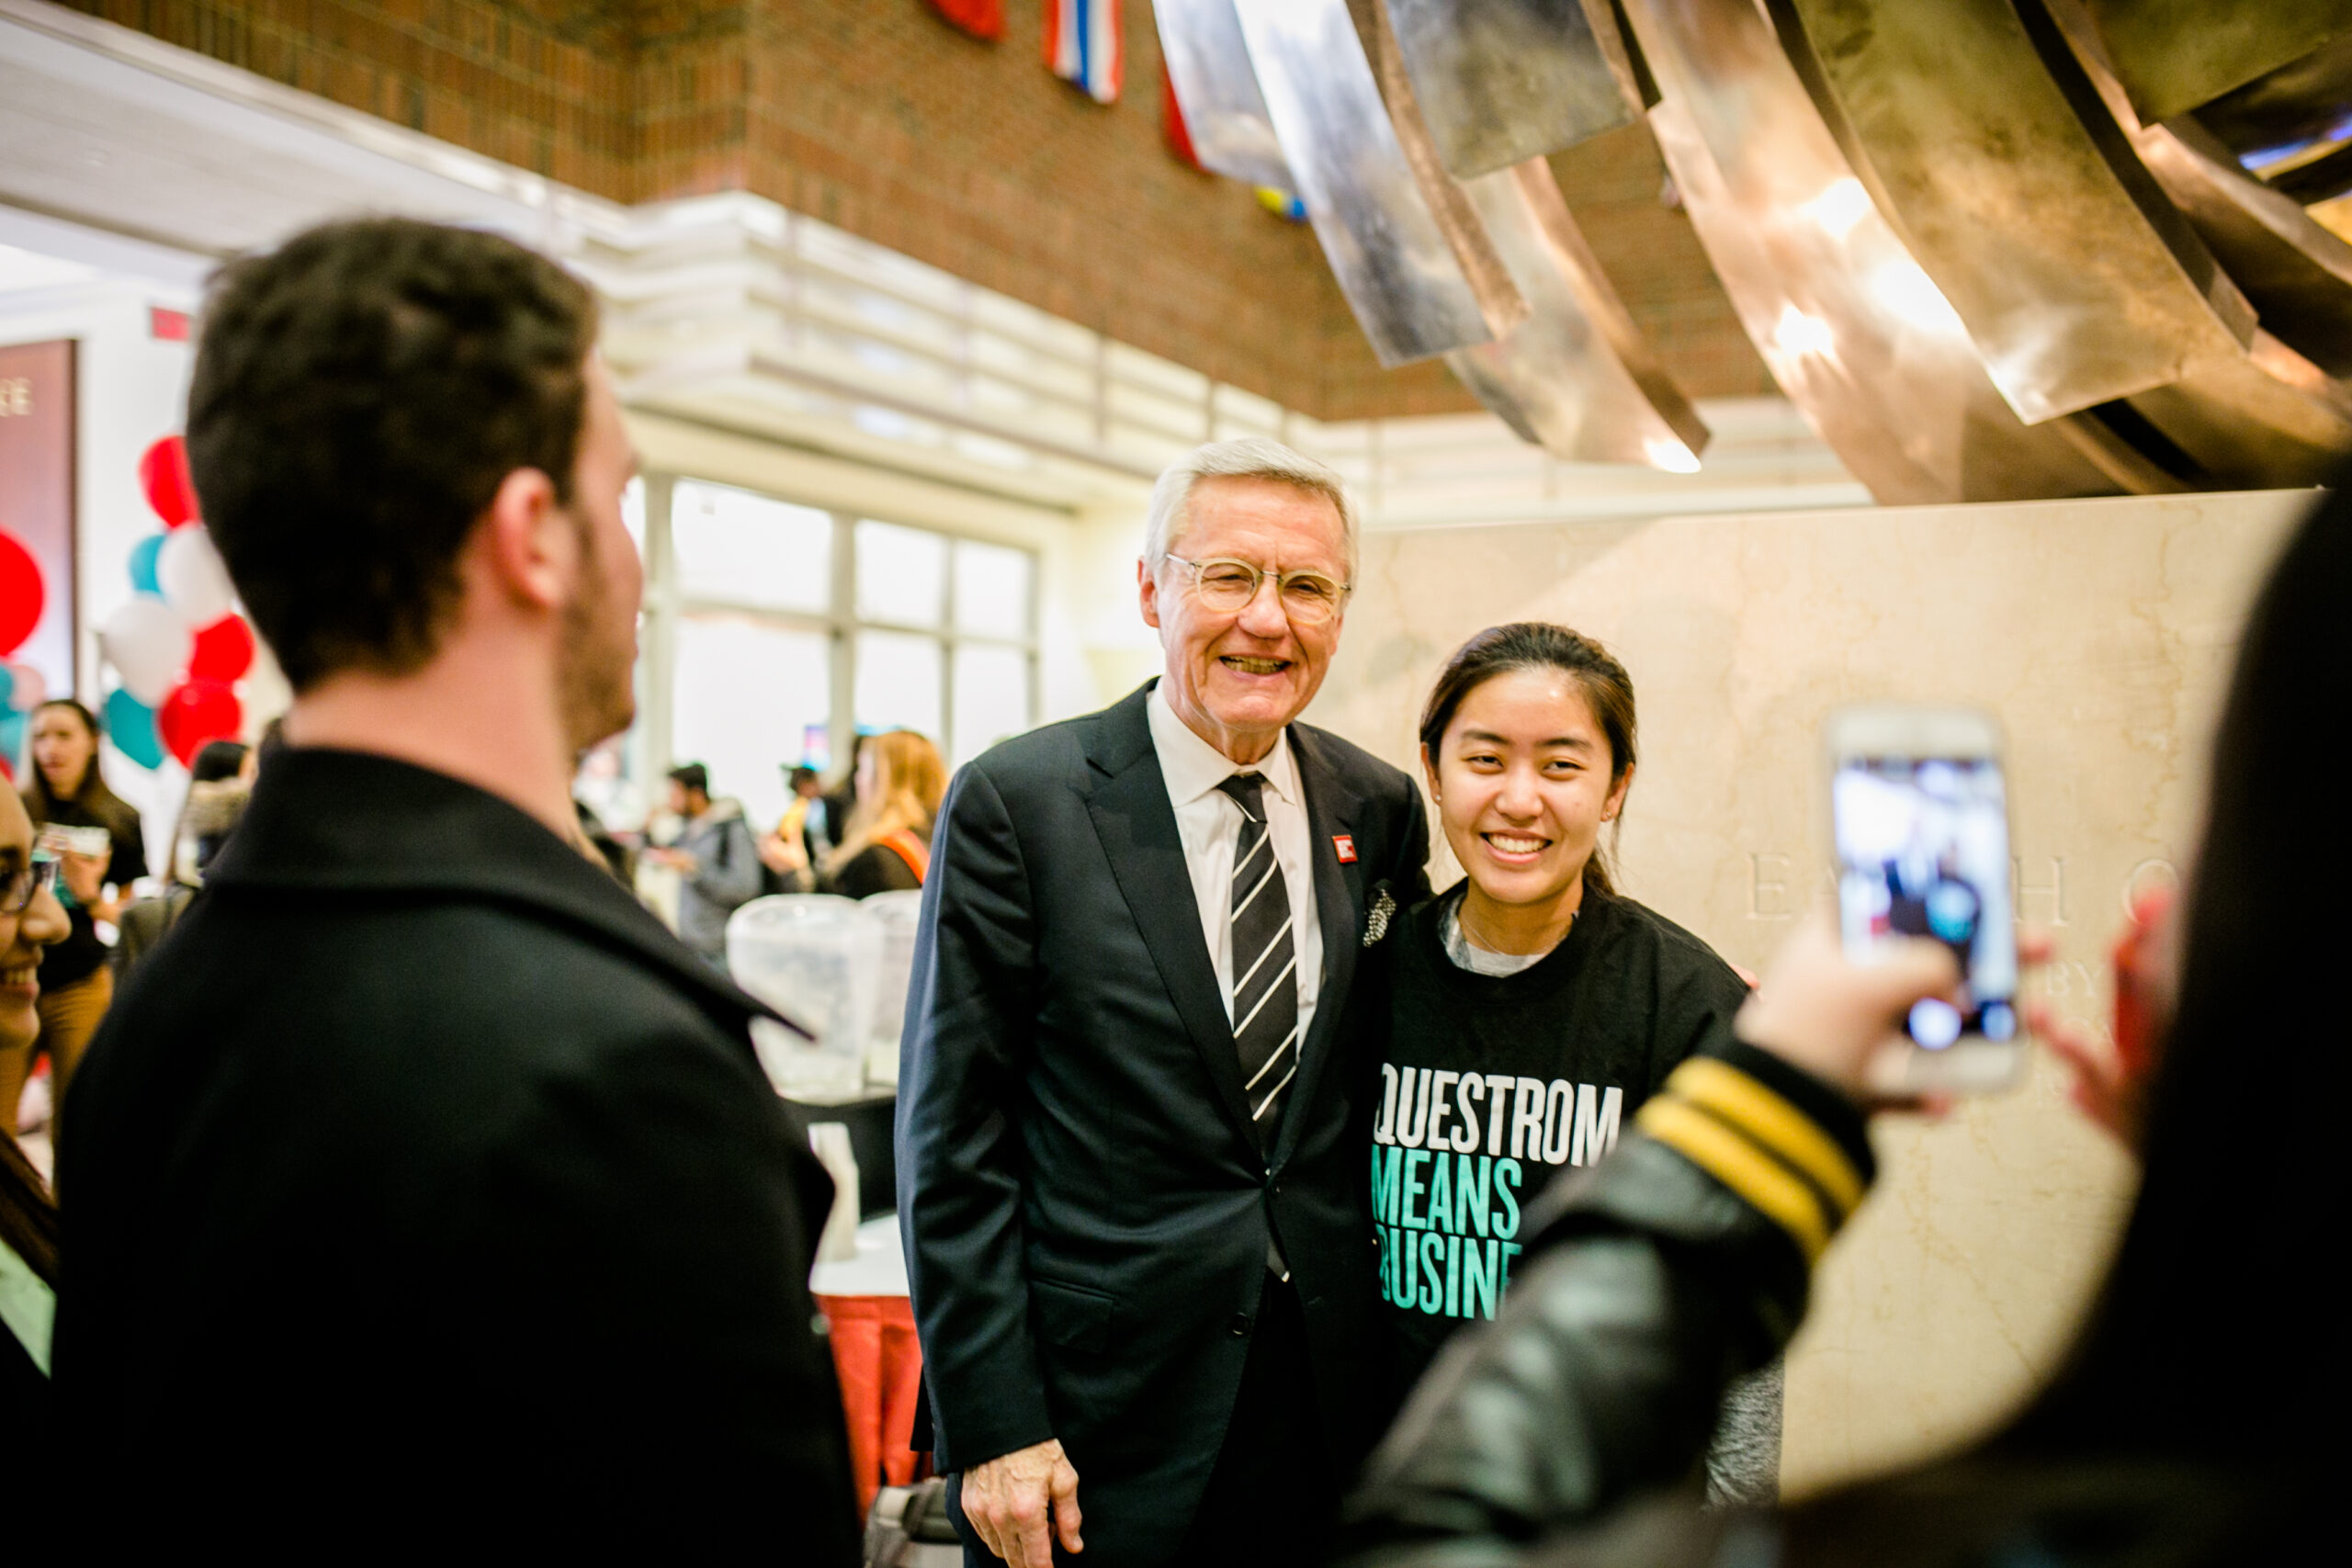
[(1209, 821)]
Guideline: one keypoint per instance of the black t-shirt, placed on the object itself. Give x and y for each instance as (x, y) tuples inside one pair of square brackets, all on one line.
[(1515, 1079)]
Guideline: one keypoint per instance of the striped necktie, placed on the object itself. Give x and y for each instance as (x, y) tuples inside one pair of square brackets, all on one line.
[(1265, 963)]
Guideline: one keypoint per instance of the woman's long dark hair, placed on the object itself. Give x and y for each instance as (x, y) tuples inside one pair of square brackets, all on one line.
[(1540, 645), (91, 795), (2215, 1334)]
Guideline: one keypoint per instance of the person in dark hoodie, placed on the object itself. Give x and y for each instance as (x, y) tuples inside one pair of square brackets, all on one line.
[(716, 859)]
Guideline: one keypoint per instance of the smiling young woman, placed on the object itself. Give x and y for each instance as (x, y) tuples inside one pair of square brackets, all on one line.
[(1532, 1007)]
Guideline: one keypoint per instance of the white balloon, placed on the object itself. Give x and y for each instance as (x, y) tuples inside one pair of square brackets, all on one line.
[(188, 571), (149, 643)]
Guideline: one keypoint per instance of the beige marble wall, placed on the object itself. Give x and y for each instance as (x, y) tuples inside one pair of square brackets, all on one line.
[(2100, 632)]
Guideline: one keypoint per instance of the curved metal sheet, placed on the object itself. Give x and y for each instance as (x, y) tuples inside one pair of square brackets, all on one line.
[(2297, 275), (2271, 419), (1577, 378), (1499, 300), (1981, 137), (2173, 55), (1390, 258), (1224, 113), (1856, 333), (1503, 81)]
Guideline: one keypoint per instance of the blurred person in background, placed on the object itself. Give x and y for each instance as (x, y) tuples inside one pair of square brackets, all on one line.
[(1532, 1007), (2187, 1424), (802, 825), (887, 845), (423, 1187), (716, 859), (840, 803), (67, 792), (219, 784), (30, 920)]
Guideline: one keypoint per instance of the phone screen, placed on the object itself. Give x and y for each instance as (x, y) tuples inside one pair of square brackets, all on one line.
[(1923, 851)]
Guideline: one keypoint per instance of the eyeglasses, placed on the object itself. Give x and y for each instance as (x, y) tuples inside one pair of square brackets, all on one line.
[(1308, 598), (30, 882)]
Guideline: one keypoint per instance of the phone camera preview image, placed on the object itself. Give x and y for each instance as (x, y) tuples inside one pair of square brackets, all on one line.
[(1923, 851)]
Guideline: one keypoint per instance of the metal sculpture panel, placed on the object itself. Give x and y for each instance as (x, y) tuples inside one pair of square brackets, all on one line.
[(1577, 378), (1502, 81), (1857, 334), (1224, 113), (2176, 54), (1390, 258), (2079, 282)]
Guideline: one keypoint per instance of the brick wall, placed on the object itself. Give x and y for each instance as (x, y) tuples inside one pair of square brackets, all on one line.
[(874, 116)]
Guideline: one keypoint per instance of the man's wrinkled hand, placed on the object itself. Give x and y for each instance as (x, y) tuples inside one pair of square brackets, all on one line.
[(1019, 1502)]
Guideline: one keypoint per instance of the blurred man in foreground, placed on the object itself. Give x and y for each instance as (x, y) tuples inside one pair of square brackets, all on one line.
[(421, 1181)]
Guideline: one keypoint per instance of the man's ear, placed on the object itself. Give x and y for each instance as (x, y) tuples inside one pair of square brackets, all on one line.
[(1148, 586), (528, 542)]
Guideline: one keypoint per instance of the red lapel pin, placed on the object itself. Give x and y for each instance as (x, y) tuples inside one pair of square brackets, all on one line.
[(1346, 844)]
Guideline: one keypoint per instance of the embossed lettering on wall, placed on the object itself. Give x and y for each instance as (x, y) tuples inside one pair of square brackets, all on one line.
[(2039, 890)]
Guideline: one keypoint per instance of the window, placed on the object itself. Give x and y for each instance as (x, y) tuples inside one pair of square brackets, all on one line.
[(772, 618), (902, 575), (747, 549), (745, 691), (899, 683)]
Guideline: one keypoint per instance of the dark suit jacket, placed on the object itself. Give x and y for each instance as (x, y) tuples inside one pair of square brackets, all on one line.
[(1085, 1203), (422, 1181)]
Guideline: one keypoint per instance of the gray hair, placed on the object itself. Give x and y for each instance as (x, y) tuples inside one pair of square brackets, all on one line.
[(1251, 458)]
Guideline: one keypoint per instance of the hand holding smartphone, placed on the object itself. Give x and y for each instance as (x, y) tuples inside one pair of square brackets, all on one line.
[(1920, 814)]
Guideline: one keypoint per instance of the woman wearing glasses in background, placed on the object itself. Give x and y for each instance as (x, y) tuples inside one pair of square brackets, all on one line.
[(1532, 1007), (30, 920)]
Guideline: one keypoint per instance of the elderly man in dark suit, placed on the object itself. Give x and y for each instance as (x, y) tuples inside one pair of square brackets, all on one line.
[(423, 1189), (1139, 1240)]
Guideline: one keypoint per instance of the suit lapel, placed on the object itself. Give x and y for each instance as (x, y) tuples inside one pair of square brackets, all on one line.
[(1339, 911), (1137, 830)]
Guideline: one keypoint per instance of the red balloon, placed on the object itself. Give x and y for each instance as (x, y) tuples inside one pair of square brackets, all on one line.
[(198, 712), (21, 593), (163, 474), (224, 651)]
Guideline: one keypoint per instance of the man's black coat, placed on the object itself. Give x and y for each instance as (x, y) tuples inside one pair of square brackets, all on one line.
[(422, 1181), (1085, 1203)]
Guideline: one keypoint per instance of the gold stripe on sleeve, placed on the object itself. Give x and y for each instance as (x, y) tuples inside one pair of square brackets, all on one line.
[(1772, 1121), (1739, 1164)]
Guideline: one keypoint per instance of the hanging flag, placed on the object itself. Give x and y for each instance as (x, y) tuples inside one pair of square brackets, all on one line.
[(1171, 120), (1082, 45), (981, 18), (1282, 204)]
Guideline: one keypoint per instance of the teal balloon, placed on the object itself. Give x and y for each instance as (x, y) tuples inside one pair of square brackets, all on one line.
[(7, 689), (12, 735), (142, 564), (131, 725)]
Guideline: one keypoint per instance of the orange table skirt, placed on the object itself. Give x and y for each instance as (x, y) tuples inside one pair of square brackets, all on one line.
[(880, 1366)]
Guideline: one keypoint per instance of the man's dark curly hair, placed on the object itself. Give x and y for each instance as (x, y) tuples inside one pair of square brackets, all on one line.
[(359, 395)]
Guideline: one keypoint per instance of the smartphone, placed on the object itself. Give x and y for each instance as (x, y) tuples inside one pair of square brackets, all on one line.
[(1919, 812)]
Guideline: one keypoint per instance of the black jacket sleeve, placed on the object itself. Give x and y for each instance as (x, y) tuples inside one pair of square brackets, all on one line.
[(971, 1013), (1677, 1264)]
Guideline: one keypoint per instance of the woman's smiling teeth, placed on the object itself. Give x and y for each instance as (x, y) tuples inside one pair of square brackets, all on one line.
[(1515, 843), (1249, 666), (18, 975)]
